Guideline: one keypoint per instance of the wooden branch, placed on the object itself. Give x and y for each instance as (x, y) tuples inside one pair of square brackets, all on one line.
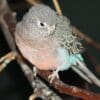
[(33, 2), (7, 59), (68, 89), (57, 7), (8, 23)]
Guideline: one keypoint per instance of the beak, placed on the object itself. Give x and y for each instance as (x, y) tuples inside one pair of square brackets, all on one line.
[(51, 29)]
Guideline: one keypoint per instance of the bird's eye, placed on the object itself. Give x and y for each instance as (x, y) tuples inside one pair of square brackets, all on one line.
[(41, 24)]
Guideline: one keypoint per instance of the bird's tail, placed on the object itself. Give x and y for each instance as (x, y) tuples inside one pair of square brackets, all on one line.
[(85, 73)]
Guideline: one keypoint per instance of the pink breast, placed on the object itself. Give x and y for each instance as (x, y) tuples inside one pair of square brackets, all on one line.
[(46, 60), (43, 58), (47, 64)]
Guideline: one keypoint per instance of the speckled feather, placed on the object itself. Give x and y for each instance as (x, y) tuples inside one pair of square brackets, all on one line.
[(65, 36)]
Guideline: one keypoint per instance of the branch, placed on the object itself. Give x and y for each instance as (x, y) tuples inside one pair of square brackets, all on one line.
[(33, 2), (57, 7), (68, 89)]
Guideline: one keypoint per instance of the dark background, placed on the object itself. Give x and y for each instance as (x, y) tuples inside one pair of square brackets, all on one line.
[(83, 14)]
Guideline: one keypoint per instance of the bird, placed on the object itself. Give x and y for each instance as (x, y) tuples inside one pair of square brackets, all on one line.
[(46, 40)]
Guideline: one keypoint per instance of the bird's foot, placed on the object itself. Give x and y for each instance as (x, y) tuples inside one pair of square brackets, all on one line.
[(53, 76)]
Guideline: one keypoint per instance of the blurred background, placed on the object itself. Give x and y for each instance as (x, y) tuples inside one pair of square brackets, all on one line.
[(85, 15)]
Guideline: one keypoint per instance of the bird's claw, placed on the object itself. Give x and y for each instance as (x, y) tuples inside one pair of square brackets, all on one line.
[(53, 76)]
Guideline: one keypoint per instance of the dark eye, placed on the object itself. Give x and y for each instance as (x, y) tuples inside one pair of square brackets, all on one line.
[(42, 24)]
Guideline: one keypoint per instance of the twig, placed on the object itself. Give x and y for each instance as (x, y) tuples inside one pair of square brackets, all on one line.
[(33, 2), (57, 7), (7, 59), (33, 97), (8, 23), (44, 91)]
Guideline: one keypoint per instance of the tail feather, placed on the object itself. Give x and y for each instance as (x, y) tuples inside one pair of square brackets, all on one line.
[(85, 71), (81, 74)]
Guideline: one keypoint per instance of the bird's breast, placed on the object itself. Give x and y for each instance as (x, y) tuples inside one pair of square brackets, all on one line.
[(44, 58), (46, 62)]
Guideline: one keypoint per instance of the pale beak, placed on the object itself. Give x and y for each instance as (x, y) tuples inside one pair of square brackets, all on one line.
[(51, 29)]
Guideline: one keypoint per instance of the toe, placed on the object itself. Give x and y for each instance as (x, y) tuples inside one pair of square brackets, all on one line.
[(53, 76)]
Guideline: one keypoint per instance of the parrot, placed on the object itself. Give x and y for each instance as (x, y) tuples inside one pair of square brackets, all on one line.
[(46, 40)]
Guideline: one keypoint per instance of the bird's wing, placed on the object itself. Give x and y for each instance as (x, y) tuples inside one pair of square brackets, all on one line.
[(66, 38)]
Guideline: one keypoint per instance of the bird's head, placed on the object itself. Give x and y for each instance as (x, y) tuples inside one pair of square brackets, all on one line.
[(40, 20)]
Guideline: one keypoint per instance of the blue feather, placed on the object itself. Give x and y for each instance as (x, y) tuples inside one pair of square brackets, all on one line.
[(73, 58)]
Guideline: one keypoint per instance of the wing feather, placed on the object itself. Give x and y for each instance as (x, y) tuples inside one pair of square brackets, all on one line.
[(65, 36)]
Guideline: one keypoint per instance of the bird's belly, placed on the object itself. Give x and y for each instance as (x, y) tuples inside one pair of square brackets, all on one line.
[(46, 61), (48, 64), (42, 59)]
